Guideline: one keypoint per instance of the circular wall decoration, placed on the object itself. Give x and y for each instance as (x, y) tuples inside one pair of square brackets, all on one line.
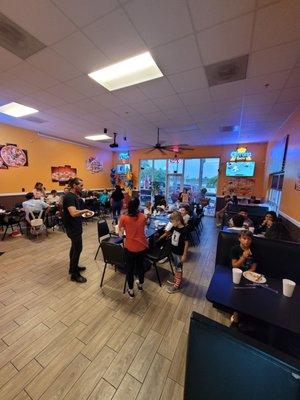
[(13, 156)]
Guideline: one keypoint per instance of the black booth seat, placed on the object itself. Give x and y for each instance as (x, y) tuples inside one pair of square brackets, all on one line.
[(276, 259)]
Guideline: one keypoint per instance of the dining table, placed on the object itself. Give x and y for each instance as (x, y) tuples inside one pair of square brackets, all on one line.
[(264, 302)]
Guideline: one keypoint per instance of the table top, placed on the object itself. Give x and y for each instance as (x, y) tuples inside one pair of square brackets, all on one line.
[(152, 229), (260, 303)]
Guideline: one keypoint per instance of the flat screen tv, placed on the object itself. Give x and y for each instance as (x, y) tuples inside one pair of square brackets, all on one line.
[(123, 168), (240, 168), (223, 364)]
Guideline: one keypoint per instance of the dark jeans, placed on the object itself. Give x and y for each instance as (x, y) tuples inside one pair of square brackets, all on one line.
[(76, 249), (134, 266), (116, 209)]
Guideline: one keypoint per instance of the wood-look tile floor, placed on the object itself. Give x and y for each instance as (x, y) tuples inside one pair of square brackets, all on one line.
[(63, 340)]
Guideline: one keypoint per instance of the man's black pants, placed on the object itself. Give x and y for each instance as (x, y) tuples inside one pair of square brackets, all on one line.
[(75, 251)]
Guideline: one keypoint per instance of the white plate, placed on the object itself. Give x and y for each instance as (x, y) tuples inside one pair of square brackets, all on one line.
[(88, 215), (254, 277)]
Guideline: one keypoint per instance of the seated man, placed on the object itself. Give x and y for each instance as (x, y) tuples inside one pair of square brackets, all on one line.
[(34, 205), (236, 223), (53, 197), (247, 221)]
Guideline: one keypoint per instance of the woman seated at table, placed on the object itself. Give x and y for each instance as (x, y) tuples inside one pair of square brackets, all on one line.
[(148, 209), (184, 197), (53, 197), (269, 218), (243, 257), (136, 244), (39, 191), (277, 231)]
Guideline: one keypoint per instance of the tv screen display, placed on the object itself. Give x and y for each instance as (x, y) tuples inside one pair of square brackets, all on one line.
[(240, 168), (123, 168)]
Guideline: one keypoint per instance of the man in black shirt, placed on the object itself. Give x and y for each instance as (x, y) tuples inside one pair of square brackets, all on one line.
[(73, 224)]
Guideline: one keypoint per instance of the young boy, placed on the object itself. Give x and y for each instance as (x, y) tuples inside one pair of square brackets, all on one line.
[(242, 255), (179, 245)]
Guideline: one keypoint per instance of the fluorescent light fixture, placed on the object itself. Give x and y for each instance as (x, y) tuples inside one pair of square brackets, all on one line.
[(129, 72), (98, 137), (17, 110)]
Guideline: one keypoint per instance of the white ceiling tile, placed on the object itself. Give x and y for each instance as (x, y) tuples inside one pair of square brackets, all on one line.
[(33, 76), (261, 98), (115, 36), (274, 81), (65, 93), (86, 86), (108, 100), (81, 52), (125, 111), (208, 13), (177, 56), (225, 41), (227, 90), (49, 61), (294, 78), (290, 94), (262, 3), (9, 81), (228, 104), (180, 112), (276, 24), (196, 97), (89, 105), (48, 98), (167, 103), (33, 102), (7, 59), (203, 111), (144, 107), (157, 21), (284, 109), (277, 58), (156, 116), (40, 18), (130, 95), (83, 12), (157, 88), (189, 80)]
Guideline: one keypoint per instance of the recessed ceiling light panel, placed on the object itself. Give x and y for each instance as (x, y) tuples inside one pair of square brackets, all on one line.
[(17, 110), (129, 72), (98, 137)]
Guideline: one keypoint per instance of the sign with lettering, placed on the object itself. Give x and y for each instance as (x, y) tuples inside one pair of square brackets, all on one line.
[(241, 154)]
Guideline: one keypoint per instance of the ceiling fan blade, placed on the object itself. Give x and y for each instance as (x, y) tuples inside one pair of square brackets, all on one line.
[(150, 150), (162, 151)]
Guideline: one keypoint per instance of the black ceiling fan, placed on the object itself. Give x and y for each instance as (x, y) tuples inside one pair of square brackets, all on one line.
[(114, 144), (179, 148)]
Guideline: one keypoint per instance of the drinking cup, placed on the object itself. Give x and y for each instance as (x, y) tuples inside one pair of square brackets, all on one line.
[(236, 275), (288, 287)]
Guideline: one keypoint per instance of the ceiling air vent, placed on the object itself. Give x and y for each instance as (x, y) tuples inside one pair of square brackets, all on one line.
[(16, 40), (228, 128), (36, 120), (227, 71)]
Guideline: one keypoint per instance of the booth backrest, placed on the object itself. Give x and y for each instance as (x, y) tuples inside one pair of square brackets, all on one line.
[(276, 259), (253, 210)]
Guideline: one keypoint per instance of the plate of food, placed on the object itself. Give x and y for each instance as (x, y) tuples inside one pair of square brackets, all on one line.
[(88, 214), (254, 277)]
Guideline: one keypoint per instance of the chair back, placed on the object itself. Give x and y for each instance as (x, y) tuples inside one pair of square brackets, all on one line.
[(165, 250), (113, 253), (103, 229)]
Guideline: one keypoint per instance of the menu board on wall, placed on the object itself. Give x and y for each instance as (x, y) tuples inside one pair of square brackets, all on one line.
[(242, 187)]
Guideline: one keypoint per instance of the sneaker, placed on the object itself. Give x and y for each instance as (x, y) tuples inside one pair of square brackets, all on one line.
[(131, 294), (139, 286), (173, 289), (170, 282), (163, 260), (81, 269), (78, 278)]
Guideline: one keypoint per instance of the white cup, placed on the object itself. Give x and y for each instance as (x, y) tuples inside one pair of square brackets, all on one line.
[(251, 229), (288, 287), (236, 275)]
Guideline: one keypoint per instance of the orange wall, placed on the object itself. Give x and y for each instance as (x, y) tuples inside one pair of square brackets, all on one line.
[(223, 152), (44, 154), (290, 199)]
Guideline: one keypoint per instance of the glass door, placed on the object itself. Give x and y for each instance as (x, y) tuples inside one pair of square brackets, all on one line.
[(174, 187)]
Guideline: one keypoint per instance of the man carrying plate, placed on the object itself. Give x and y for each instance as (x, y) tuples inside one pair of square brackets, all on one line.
[(72, 217)]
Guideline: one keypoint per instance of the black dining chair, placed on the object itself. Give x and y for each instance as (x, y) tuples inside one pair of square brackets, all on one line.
[(103, 230), (113, 254), (159, 253), (14, 218)]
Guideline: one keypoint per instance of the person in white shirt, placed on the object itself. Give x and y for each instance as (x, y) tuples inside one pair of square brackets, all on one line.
[(34, 205), (148, 209), (53, 197)]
